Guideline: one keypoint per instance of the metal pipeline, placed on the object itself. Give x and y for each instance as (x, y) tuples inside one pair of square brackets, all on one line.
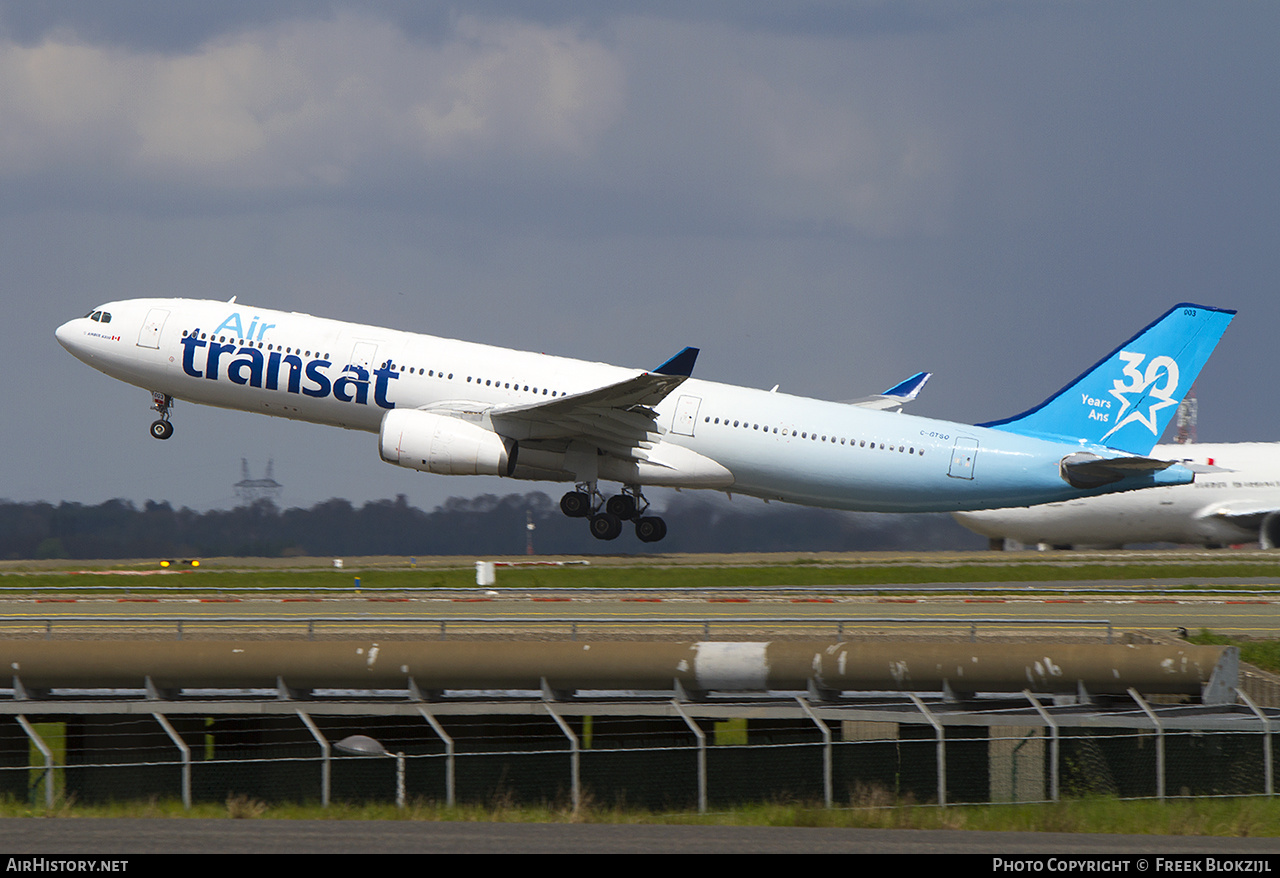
[(698, 666)]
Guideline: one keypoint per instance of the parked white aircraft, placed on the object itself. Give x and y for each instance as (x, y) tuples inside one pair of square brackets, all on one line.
[(1240, 503), (457, 408)]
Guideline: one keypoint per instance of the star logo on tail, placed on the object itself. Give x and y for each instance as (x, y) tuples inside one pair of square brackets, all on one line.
[(1154, 387)]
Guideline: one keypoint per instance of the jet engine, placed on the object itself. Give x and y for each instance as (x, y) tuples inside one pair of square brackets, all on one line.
[(1269, 533), (444, 445)]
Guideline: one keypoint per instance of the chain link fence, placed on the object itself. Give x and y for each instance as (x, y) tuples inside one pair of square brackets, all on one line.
[(658, 763)]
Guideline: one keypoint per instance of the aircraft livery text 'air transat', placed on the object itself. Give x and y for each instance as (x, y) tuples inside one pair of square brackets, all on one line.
[(458, 408)]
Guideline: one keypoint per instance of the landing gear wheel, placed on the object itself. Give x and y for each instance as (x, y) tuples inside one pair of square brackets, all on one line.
[(650, 529), (576, 504), (161, 429), (605, 526), (621, 505)]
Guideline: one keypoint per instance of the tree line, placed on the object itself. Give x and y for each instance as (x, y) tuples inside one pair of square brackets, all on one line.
[(485, 525)]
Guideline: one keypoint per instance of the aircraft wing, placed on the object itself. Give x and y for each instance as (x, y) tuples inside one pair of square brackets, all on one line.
[(1242, 513), (618, 418), (896, 396)]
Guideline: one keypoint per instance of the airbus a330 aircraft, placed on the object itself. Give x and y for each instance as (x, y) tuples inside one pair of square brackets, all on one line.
[(1238, 503), (456, 408)]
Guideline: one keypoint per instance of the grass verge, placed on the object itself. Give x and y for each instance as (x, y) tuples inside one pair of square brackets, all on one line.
[(1263, 654), (1227, 817), (639, 577)]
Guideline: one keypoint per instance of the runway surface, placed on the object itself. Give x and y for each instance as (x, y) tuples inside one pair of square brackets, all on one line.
[(815, 612)]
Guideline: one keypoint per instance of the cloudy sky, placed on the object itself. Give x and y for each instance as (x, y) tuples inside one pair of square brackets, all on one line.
[(826, 195)]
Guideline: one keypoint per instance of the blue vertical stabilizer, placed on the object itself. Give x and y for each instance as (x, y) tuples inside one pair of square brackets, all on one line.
[(1126, 400)]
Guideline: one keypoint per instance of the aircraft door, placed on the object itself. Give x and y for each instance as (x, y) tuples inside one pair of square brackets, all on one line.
[(686, 415), (963, 457), (362, 355), (149, 335)]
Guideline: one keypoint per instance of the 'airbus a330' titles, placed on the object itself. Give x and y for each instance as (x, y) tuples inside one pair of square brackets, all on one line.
[(452, 407)]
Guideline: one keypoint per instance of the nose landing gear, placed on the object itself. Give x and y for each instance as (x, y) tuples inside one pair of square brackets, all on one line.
[(161, 402)]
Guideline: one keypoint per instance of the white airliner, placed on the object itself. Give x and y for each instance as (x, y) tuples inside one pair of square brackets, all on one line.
[(1239, 503), (456, 408)]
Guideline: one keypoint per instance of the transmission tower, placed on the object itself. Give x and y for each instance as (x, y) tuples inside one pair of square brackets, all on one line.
[(250, 491), (1188, 410)]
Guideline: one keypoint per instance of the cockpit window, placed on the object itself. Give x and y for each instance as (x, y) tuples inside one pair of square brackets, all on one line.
[(106, 317), (94, 315)]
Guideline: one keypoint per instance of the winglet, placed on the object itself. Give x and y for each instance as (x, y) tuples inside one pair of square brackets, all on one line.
[(907, 390), (896, 396), (680, 364)]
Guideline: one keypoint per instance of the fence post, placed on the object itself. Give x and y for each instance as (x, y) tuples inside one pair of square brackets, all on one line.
[(325, 757), (48, 759), (1155, 721), (448, 755), (186, 757), (702, 756), (1054, 748), (1266, 742), (941, 747), (827, 796), (573, 755)]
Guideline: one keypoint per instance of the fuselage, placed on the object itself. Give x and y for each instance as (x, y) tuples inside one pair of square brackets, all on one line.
[(766, 444), (1230, 505)]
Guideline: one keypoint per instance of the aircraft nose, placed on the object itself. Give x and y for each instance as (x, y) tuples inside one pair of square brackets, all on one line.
[(71, 336), (64, 334)]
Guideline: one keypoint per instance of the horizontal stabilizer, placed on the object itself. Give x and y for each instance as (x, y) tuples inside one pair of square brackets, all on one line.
[(1084, 470), (1205, 468)]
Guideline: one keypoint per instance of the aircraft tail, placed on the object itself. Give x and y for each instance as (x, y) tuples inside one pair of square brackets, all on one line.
[(1127, 399)]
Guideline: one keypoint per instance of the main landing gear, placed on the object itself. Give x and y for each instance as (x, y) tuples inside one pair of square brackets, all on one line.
[(605, 517), (161, 402)]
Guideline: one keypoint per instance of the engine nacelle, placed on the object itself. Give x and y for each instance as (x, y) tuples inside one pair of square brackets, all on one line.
[(447, 446), (1269, 533)]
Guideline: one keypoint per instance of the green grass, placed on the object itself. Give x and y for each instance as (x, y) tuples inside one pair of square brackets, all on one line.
[(645, 575), (1263, 654), (1196, 817)]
